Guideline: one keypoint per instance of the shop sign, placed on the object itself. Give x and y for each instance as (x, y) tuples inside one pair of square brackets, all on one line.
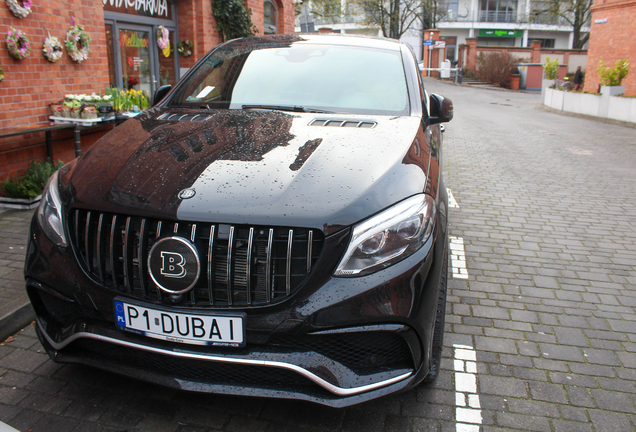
[(152, 8), (500, 33), (131, 40)]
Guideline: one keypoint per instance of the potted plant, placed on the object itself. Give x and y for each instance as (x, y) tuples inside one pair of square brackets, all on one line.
[(24, 192)]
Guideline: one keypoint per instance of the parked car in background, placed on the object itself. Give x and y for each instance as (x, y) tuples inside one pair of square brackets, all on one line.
[(275, 226)]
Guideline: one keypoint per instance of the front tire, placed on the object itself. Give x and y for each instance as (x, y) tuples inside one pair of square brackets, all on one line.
[(440, 318)]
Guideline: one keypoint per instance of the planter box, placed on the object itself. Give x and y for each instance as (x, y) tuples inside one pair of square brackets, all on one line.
[(20, 203), (621, 108), (590, 104)]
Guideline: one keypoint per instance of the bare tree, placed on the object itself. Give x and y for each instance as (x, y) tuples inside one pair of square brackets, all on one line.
[(394, 17), (576, 13), (433, 11), (326, 9)]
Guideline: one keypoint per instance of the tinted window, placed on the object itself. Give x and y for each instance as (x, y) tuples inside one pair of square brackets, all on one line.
[(333, 78)]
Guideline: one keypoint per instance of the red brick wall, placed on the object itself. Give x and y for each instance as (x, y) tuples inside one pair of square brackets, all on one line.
[(611, 41), (32, 83)]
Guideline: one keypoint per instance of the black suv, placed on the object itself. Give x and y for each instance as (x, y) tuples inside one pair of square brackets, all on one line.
[(274, 226)]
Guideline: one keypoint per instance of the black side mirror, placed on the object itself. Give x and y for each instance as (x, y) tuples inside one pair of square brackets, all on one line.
[(441, 109), (160, 93)]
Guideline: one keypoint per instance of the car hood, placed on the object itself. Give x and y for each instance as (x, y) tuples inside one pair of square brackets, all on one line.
[(252, 167)]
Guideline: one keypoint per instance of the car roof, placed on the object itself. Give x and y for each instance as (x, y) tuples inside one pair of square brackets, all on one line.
[(322, 39)]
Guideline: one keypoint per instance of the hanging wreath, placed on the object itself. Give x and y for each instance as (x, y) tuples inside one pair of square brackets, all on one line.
[(185, 48), (77, 44), (163, 37), (18, 44), (20, 8), (52, 49)]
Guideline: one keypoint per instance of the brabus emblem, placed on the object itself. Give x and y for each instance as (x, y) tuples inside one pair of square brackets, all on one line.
[(173, 264), (187, 193)]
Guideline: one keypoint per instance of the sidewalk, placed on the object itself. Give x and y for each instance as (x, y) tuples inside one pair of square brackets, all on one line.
[(15, 309)]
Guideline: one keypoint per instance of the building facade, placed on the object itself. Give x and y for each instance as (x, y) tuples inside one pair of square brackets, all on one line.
[(123, 54), (613, 25)]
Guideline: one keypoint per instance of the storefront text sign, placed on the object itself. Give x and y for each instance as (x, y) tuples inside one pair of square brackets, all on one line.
[(157, 8)]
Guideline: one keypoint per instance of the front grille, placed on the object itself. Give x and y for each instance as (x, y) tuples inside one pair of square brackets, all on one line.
[(363, 352), (240, 265)]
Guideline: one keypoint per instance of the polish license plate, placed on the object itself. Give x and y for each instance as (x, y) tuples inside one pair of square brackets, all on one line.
[(215, 330)]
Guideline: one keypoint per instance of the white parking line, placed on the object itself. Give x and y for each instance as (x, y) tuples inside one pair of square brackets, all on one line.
[(458, 258), (451, 199), (468, 407)]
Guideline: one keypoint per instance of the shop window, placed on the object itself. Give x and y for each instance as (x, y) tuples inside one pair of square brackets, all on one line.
[(269, 12), (112, 77)]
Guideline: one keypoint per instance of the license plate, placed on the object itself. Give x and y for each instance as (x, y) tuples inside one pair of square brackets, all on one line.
[(216, 330)]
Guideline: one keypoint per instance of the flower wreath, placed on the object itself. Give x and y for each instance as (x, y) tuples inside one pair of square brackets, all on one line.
[(185, 48), (52, 49), (74, 36), (18, 44), (1, 74), (163, 37), (20, 8)]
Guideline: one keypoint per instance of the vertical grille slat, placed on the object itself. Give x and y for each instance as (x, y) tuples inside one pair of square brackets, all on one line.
[(229, 257), (240, 265)]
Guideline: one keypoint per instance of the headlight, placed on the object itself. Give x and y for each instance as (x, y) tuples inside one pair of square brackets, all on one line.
[(388, 237), (50, 213)]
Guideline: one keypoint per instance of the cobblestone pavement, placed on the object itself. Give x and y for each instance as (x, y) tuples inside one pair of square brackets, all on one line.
[(541, 323)]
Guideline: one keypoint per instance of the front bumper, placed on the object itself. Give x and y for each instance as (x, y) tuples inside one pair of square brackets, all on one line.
[(346, 342)]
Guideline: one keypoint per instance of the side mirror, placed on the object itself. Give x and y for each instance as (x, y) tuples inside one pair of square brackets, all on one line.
[(441, 109), (161, 93)]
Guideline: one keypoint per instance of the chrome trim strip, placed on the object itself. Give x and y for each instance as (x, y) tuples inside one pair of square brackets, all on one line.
[(185, 115), (76, 228), (192, 119), (100, 226), (158, 233), (210, 277), (176, 227), (310, 243), (248, 284), (292, 367), (193, 233), (268, 269), (290, 241), (230, 244)]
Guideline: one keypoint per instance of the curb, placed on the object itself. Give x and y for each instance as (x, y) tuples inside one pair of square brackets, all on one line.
[(16, 320)]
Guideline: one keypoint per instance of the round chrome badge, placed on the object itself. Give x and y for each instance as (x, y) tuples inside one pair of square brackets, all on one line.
[(173, 264), (187, 193)]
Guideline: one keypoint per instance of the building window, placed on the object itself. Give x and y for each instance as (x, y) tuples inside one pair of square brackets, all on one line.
[(269, 12), (497, 11)]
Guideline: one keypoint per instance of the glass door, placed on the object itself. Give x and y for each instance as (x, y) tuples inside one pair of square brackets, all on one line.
[(137, 55)]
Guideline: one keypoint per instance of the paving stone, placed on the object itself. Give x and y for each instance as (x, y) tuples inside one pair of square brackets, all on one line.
[(569, 426), (557, 352), (571, 336), (25, 420), (525, 422), (502, 386), (497, 345), (531, 407), (601, 420), (613, 401), (547, 392), (363, 421)]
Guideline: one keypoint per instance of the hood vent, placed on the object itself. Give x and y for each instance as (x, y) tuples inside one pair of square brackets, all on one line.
[(184, 117), (343, 123)]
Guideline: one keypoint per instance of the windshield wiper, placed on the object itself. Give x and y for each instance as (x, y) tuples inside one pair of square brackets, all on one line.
[(296, 108)]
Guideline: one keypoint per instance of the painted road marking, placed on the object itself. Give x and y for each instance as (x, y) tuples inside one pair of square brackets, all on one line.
[(451, 199), (458, 258), (468, 407)]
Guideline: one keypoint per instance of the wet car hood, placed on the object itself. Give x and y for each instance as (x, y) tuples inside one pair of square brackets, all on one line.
[(253, 167)]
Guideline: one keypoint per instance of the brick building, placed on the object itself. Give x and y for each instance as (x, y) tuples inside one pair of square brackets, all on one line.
[(123, 53), (613, 27)]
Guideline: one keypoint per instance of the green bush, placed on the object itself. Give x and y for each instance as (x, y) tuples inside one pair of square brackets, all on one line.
[(551, 68), (30, 185), (613, 76)]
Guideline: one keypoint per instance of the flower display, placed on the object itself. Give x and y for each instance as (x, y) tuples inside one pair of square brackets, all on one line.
[(52, 49), (185, 47), (18, 44), (77, 43), (20, 8), (163, 37), (1, 74)]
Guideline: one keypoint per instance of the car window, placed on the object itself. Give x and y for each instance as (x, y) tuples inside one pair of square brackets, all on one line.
[(333, 78)]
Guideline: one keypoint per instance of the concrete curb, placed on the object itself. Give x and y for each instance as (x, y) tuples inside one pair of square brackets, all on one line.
[(16, 320)]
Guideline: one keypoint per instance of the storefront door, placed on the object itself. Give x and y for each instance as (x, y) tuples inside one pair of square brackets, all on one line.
[(138, 63)]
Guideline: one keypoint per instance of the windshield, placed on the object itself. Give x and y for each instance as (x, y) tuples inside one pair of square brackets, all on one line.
[(307, 77)]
